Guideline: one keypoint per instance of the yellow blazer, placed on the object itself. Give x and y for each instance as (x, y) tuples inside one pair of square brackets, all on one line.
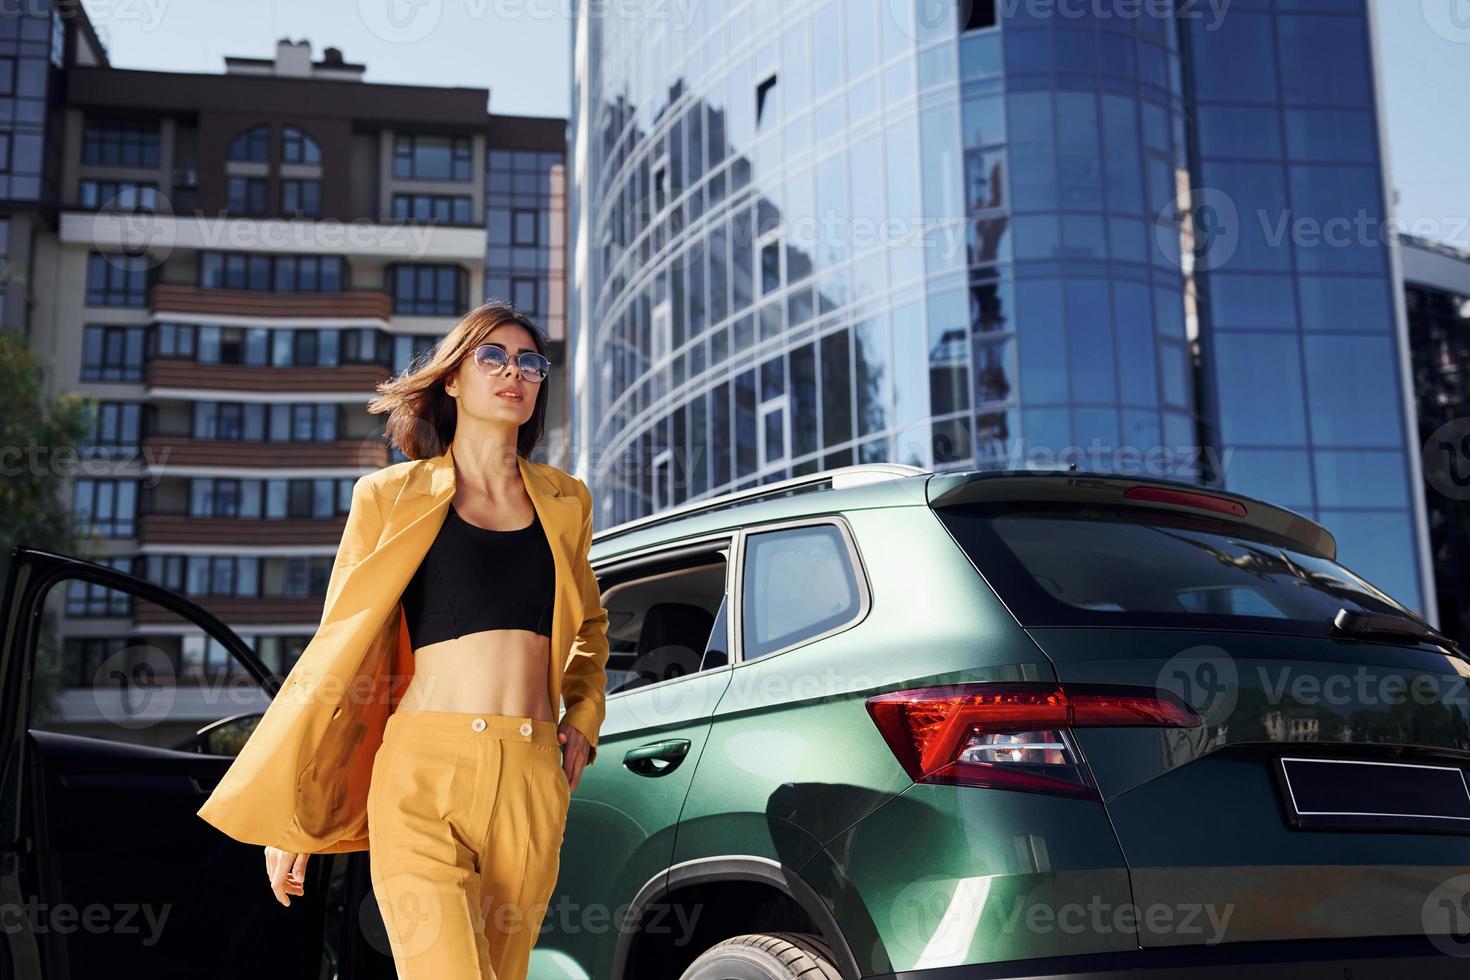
[(301, 780)]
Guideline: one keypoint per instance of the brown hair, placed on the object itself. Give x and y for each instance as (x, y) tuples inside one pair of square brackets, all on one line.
[(422, 415)]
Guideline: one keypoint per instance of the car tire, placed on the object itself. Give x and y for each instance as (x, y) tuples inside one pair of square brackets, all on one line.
[(765, 956)]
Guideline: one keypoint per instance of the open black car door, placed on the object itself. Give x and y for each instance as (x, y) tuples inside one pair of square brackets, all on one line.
[(104, 856)]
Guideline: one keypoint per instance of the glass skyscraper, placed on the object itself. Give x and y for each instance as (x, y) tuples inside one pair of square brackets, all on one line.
[(991, 234)]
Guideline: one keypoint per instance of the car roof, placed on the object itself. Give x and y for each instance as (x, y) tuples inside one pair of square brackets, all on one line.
[(897, 485)]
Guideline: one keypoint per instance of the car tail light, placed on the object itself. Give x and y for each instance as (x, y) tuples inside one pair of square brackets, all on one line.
[(1013, 735)]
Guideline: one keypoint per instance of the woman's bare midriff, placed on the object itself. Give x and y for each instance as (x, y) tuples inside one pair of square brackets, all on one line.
[(493, 672)]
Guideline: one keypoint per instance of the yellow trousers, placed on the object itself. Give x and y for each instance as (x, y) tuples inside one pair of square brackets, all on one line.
[(466, 814)]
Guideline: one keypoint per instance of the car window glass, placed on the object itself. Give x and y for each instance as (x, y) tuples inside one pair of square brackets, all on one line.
[(661, 622), (114, 665), (798, 583)]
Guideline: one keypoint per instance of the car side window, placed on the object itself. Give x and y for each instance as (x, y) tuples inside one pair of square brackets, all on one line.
[(798, 583), (664, 621), (115, 665)]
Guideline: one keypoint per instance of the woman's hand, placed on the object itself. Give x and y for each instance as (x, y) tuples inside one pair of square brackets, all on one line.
[(574, 752), (287, 873)]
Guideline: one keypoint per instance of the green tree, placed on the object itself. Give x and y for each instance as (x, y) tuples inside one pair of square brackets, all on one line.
[(39, 437)]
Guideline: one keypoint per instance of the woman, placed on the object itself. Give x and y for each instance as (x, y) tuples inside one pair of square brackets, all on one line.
[(467, 799)]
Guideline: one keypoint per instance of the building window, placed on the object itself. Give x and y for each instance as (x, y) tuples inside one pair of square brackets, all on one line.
[(123, 143), (7, 76), (234, 345), (523, 295), (301, 196), (523, 226), (297, 147), (259, 422), (518, 216), (308, 273), (173, 340), (107, 508), (434, 290), (406, 347), (297, 499), (420, 157), (449, 209), (120, 195), (252, 144), (297, 576), (271, 273), (115, 428), (5, 141), (112, 353), (85, 598), (117, 279), (247, 195)]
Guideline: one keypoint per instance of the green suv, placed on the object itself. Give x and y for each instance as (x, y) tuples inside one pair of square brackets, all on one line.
[(887, 723), (871, 723)]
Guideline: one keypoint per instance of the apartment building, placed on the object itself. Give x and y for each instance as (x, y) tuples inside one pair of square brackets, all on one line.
[(231, 264)]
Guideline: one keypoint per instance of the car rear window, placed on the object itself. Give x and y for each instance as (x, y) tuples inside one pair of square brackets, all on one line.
[(1123, 566)]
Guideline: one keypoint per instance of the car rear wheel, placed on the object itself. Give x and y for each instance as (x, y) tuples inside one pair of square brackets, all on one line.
[(765, 956)]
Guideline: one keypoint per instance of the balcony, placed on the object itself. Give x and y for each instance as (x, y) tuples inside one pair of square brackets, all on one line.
[(163, 233), (164, 452), (165, 372), (240, 611), (349, 305), (163, 529)]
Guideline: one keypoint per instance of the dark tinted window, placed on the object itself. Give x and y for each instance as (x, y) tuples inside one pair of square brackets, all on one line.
[(1127, 567)]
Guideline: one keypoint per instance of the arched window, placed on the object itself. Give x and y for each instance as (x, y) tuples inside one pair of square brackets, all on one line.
[(252, 144), (298, 147)]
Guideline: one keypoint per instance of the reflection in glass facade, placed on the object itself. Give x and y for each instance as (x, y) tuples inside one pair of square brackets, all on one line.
[(1437, 299), (810, 234)]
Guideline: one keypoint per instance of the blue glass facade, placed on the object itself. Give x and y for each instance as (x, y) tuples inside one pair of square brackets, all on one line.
[(807, 234)]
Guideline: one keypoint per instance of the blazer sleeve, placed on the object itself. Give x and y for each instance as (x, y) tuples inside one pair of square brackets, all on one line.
[(584, 679)]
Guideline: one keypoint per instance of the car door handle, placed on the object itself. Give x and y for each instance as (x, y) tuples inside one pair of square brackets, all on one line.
[(656, 758)]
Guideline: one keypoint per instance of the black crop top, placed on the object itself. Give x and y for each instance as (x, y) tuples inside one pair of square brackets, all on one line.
[(475, 578)]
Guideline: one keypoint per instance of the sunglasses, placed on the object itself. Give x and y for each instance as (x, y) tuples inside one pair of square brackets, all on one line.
[(492, 359)]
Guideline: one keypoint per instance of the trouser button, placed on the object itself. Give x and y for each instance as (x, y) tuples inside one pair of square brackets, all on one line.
[(478, 724), (525, 728)]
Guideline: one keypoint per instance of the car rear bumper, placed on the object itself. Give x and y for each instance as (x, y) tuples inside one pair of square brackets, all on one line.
[(1418, 958)]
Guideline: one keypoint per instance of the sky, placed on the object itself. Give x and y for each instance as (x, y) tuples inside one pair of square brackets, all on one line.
[(520, 51)]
